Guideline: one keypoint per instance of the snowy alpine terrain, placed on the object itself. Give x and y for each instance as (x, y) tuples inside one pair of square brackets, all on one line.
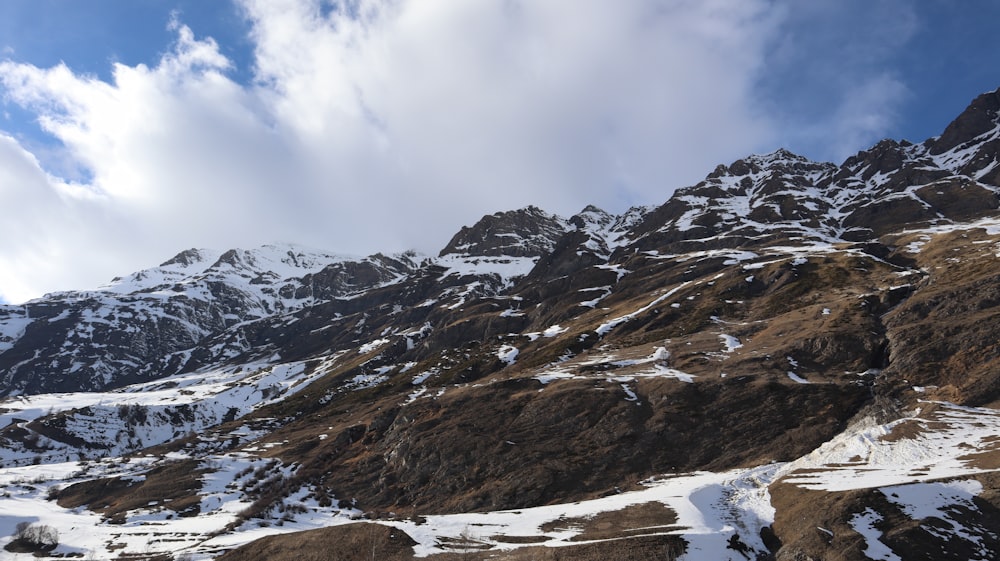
[(788, 360), (926, 474)]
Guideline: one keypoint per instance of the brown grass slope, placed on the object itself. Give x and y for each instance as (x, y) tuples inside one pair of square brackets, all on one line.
[(508, 441), (489, 436)]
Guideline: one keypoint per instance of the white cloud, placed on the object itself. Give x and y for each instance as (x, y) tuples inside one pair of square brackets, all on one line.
[(496, 104), (38, 216), (865, 114), (384, 128), (176, 155)]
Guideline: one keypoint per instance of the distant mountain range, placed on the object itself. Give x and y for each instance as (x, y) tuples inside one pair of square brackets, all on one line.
[(790, 360)]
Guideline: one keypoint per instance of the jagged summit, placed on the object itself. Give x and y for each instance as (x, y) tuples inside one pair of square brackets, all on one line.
[(779, 161), (137, 323), (187, 258), (970, 145), (527, 232), (267, 264), (981, 117), (591, 217)]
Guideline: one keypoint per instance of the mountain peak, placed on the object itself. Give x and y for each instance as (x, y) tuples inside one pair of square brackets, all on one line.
[(780, 155), (980, 117), (591, 216), (187, 258), (780, 160), (526, 232)]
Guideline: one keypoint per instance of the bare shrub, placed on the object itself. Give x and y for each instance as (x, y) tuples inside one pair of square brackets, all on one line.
[(34, 537)]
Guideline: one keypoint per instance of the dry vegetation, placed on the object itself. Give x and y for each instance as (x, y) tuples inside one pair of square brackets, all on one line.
[(352, 542), (172, 485), (368, 542)]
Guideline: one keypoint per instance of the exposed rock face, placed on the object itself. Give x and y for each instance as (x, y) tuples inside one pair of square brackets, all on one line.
[(750, 319), (529, 232), (975, 126)]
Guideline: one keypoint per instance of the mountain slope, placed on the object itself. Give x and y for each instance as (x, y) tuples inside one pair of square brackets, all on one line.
[(679, 380)]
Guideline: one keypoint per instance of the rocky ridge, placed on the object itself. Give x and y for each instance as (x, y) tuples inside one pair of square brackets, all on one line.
[(775, 326)]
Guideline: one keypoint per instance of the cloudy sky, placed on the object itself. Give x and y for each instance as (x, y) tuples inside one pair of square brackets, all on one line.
[(132, 130)]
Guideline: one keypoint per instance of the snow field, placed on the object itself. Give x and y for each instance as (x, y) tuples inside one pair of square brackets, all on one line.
[(145, 415), (652, 366), (710, 508), (862, 457)]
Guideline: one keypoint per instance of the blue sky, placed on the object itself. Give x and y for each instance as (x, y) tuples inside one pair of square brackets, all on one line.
[(131, 130), (89, 35)]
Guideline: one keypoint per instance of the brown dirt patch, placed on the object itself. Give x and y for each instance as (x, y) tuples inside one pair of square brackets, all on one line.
[(351, 542), (647, 518), (989, 459), (909, 429)]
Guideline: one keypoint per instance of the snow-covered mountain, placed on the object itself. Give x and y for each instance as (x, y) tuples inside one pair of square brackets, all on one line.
[(789, 360), (148, 324)]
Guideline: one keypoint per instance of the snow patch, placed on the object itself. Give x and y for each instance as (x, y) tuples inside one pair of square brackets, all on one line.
[(508, 354), (860, 457), (864, 524), (797, 379), (605, 328), (549, 377), (731, 343), (938, 500), (371, 346), (554, 330)]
